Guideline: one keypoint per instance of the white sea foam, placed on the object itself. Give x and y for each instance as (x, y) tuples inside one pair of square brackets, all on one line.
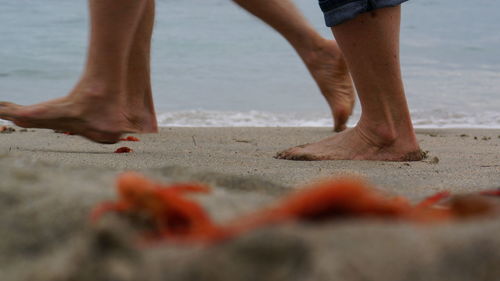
[(422, 119), (202, 118), (444, 119)]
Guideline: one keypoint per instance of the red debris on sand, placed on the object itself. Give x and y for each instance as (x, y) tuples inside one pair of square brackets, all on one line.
[(491, 192), (6, 129), (130, 138), (341, 199), (173, 216), (327, 201), (434, 199), (124, 150), (177, 218)]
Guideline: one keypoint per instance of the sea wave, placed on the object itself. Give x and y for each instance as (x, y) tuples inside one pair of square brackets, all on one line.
[(204, 118), (421, 119)]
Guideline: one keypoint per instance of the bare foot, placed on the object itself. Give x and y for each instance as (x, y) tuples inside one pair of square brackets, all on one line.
[(86, 112), (355, 144), (328, 68)]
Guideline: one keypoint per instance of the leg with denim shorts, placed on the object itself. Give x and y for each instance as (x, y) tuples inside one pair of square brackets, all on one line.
[(370, 43), (322, 57), (113, 95)]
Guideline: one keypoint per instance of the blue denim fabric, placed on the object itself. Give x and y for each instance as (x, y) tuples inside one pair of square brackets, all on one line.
[(338, 11)]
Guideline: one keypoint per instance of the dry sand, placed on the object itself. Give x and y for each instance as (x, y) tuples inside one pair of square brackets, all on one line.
[(49, 182)]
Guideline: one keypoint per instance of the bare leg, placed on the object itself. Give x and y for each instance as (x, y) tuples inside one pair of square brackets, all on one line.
[(99, 107), (370, 44), (139, 102), (322, 57)]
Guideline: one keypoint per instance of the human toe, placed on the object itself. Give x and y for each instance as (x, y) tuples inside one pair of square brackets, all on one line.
[(288, 154)]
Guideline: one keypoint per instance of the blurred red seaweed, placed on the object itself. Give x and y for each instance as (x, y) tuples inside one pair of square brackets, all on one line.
[(177, 218)]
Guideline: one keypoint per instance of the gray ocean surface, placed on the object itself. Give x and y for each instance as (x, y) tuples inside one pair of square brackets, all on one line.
[(215, 65)]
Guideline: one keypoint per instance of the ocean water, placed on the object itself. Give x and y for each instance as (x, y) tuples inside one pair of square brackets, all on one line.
[(215, 65)]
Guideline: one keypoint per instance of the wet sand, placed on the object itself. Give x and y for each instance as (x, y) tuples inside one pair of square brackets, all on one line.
[(49, 182)]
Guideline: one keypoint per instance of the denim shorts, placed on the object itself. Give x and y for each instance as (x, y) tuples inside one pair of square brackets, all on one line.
[(339, 11)]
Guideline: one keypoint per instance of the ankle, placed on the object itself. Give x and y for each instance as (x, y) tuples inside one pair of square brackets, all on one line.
[(309, 45), (376, 134), (315, 55), (388, 135), (97, 89)]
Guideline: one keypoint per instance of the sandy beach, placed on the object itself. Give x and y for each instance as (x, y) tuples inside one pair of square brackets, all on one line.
[(49, 182)]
